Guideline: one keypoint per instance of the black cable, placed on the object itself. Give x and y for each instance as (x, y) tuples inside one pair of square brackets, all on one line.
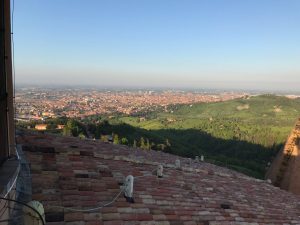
[(8, 220), (13, 220), (24, 204), (3, 208)]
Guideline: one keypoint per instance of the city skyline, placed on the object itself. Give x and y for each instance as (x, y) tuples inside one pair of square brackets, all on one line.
[(173, 44)]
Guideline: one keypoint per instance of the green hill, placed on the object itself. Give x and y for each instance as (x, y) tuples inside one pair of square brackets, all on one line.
[(243, 134), (264, 120)]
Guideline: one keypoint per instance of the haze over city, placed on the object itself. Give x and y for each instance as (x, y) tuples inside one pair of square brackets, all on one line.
[(176, 44)]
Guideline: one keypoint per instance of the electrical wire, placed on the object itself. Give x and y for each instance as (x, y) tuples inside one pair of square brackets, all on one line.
[(91, 209), (5, 221), (68, 208), (12, 185), (8, 220), (3, 209), (24, 204), (15, 218), (105, 205)]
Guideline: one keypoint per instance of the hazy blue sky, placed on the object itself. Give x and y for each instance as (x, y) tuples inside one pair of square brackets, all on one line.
[(160, 43)]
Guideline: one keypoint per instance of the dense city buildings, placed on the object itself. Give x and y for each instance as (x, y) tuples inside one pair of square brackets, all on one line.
[(38, 103)]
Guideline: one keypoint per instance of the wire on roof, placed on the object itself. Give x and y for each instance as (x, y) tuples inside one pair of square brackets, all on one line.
[(25, 204), (3, 209), (91, 209), (11, 186), (102, 206), (10, 220)]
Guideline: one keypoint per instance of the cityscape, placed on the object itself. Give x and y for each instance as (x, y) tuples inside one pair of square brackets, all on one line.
[(39, 103), (149, 112)]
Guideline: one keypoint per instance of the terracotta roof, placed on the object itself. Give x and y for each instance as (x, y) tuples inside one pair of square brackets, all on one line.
[(82, 173)]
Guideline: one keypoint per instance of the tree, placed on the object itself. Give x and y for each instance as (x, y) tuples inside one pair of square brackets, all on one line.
[(51, 126), (72, 126), (168, 145), (124, 141), (153, 146), (81, 136), (92, 128), (148, 146), (161, 146), (75, 128), (142, 143), (116, 139), (104, 138), (66, 131)]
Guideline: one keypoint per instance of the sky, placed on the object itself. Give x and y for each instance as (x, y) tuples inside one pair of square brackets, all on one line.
[(230, 44)]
